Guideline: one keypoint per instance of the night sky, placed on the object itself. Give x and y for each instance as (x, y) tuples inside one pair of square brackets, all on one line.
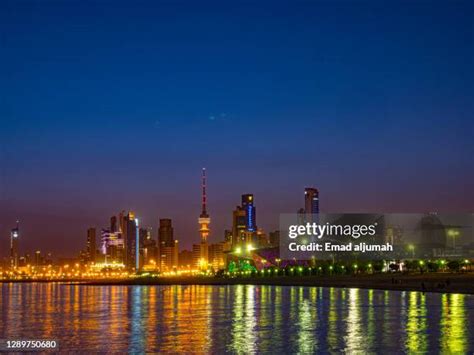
[(109, 106)]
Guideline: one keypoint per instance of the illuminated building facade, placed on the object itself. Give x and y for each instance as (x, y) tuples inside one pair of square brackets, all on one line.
[(112, 246), (185, 260), (250, 213), (38, 258), (216, 256), (196, 255), (148, 250), (244, 222)]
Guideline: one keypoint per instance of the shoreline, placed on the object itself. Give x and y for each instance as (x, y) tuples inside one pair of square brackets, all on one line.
[(436, 282)]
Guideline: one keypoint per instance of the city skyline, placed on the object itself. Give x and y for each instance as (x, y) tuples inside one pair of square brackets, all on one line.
[(118, 108), (114, 225), (129, 228)]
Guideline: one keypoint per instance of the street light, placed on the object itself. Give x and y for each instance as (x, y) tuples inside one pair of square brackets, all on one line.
[(453, 233)]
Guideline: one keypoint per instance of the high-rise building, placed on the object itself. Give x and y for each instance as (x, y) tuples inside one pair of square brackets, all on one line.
[(112, 247), (204, 222), (196, 253), (14, 248), (228, 236), (168, 246), (121, 220), (275, 238), (91, 245), (165, 232), (262, 239), (250, 212), (148, 249), (185, 259), (311, 201), (169, 257), (239, 234), (113, 224), (244, 221), (130, 236), (38, 258), (216, 256)]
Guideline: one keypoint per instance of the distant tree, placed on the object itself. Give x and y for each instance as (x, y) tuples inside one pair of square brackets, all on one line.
[(377, 265), (454, 265), (394, 267), (411, 265), (432, 266)]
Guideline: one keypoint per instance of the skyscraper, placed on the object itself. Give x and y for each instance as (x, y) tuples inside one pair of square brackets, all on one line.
[(148, 248), (165, 232), (14, 252), (113, 224), (112, 247), (168, 246), (130, 236), (91, 245), (238, 226), (244, 221), (250, 213), (311, 204)]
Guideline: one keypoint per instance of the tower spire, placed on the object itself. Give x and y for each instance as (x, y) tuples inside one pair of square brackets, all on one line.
[(204, 219), (204, 197)]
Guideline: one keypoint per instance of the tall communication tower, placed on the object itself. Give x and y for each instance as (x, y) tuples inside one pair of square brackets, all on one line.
[(204, 222)]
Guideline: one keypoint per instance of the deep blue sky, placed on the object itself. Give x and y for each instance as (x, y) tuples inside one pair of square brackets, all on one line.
[(108, 106)]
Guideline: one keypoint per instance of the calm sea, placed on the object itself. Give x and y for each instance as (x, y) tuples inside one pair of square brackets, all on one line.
[(242, 319)]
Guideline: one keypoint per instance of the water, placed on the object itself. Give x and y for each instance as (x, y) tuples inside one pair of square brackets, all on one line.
[(238, 319)]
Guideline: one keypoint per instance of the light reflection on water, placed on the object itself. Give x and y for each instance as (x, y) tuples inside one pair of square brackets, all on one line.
[(240, 319)]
